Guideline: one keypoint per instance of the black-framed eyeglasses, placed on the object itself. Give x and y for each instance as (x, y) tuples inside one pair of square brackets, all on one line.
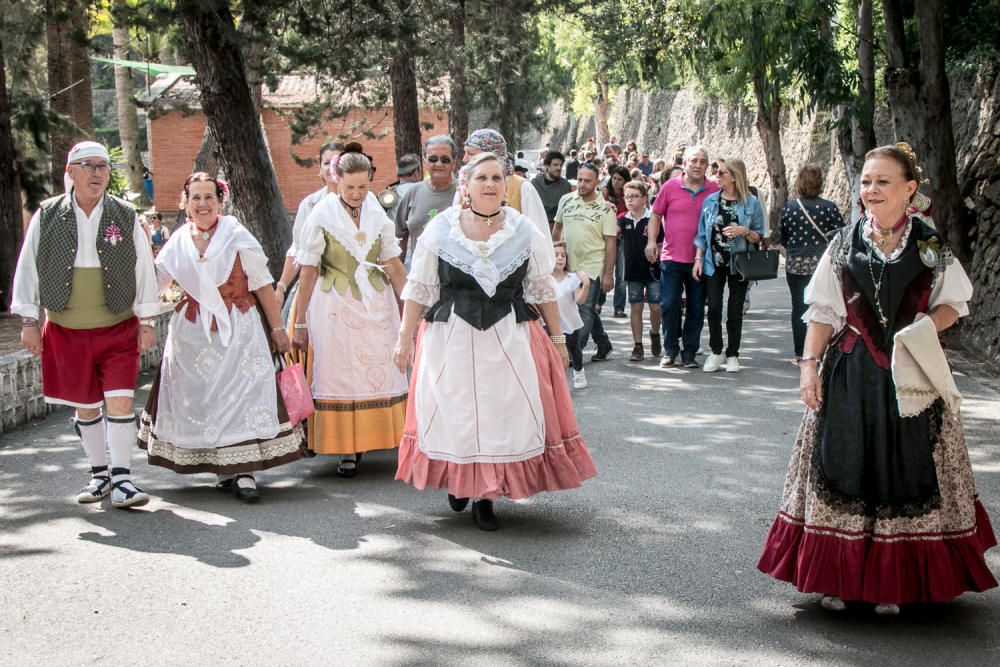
[(443, 159)]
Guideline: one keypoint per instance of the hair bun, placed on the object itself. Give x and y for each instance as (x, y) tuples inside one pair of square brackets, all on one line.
[(907, 150)]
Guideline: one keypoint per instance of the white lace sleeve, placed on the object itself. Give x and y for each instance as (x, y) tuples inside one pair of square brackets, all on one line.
[(825, 296), (255, 266), (389, 247), (423, 285), (953, 289), (310, 245), (539, 285)]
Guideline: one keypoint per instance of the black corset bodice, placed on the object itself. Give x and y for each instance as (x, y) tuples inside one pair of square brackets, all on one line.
[(905, 281), (461, 294)]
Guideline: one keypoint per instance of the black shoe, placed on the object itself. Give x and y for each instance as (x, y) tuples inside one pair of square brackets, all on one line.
[(690, 363), (655, 348), (457, 504), (602, 352), (483, 515), (349, 467), (620, 314), (225, 485), (637, 353), (247, 494)]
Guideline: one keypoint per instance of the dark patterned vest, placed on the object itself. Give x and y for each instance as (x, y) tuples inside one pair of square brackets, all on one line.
[(904, 292), (57, 244)]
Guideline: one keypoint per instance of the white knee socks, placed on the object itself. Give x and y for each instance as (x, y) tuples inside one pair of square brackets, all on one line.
[(121, 440), (92, 435)]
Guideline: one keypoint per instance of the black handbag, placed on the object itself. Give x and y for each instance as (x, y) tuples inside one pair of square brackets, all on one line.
[(756, 264)]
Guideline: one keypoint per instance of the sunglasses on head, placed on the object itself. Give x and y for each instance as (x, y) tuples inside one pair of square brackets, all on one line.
[(442, 159)]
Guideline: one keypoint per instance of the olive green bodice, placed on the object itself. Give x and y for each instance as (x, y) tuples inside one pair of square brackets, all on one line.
[(337, 268)]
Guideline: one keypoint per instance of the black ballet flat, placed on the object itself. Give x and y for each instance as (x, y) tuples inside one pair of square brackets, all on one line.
[(457, 504)]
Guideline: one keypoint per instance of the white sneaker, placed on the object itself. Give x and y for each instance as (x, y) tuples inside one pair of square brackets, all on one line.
[(713, 362), (580, 379), (732, 364), (125, 494)]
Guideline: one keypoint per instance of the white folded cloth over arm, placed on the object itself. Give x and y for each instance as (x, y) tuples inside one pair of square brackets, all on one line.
[(920, 370)]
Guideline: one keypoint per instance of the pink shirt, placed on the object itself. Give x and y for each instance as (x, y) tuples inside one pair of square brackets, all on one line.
[(680, 207)]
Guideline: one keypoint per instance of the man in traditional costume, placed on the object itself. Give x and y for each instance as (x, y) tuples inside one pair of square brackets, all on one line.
[(87, 262)]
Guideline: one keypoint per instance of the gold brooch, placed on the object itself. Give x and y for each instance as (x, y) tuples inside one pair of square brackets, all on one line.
[(360, 237)]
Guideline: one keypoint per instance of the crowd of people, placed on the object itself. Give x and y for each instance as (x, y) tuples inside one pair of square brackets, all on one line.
[(445, 331)]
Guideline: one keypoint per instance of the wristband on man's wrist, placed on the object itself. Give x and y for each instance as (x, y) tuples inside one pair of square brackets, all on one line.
[(29, 323), (148, 322)]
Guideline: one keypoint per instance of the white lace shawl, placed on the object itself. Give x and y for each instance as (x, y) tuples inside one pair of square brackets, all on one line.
[(488, 262), (329, 215), (200, 277)]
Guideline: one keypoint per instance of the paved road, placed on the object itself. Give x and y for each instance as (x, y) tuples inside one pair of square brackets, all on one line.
[(652, 562)]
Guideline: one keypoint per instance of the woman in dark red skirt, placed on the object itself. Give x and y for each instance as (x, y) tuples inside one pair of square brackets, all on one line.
[(880, 506)]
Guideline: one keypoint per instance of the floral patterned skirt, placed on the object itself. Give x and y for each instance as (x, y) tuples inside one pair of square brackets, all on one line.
[(931, 551)]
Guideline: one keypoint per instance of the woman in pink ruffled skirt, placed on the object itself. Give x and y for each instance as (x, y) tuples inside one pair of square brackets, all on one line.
[(490, 413)]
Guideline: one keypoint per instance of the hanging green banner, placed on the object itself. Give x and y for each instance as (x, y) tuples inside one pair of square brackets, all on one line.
[(148, 68)]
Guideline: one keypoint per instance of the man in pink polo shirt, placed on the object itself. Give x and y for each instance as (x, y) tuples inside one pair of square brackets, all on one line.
[(676, 209)]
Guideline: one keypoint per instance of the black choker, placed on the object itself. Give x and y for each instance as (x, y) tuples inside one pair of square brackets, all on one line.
[(354, 211), (484, 215)]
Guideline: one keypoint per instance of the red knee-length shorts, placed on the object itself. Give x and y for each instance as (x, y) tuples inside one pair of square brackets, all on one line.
[(82, 366)]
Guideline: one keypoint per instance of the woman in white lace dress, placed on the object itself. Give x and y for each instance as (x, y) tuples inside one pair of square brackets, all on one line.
[(214, 406), (490, 413)]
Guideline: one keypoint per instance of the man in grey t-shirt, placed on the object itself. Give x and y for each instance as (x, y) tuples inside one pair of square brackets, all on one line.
[(428, 198)]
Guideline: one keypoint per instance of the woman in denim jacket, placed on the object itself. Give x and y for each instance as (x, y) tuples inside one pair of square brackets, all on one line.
[(731, 219)]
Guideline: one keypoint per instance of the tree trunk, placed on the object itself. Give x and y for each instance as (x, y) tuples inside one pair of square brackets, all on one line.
[(769, 128), (128, 120), (405, 109), (920, 100), (601, 104), (458, 107), (11, 230), (856, 135), (66, 26), (210, 32)]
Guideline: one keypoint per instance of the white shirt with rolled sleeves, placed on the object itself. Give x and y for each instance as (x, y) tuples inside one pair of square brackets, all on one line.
[(26, 300)]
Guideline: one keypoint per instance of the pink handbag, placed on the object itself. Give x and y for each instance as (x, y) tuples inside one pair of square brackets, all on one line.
[(296, 393)]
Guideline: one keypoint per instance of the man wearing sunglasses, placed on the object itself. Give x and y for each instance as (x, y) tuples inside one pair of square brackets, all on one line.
[(433, 195), (86, 265)]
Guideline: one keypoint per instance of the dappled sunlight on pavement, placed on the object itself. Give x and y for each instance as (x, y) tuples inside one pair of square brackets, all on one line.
[(651, 562)]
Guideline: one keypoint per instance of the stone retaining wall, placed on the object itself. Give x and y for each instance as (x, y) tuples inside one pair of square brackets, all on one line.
[(21, 382), (661, 121)]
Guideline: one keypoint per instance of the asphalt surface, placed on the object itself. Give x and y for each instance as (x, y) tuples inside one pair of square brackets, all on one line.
[(651, 562)]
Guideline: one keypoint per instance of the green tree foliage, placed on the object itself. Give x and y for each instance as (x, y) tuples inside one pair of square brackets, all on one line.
[(32, 119)]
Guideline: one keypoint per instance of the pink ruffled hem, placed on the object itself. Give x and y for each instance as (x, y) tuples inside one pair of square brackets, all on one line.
[(934, 568), (565, 462), (557, 468)]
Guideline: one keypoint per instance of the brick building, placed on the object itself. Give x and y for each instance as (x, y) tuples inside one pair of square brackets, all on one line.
[(176, 126)]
